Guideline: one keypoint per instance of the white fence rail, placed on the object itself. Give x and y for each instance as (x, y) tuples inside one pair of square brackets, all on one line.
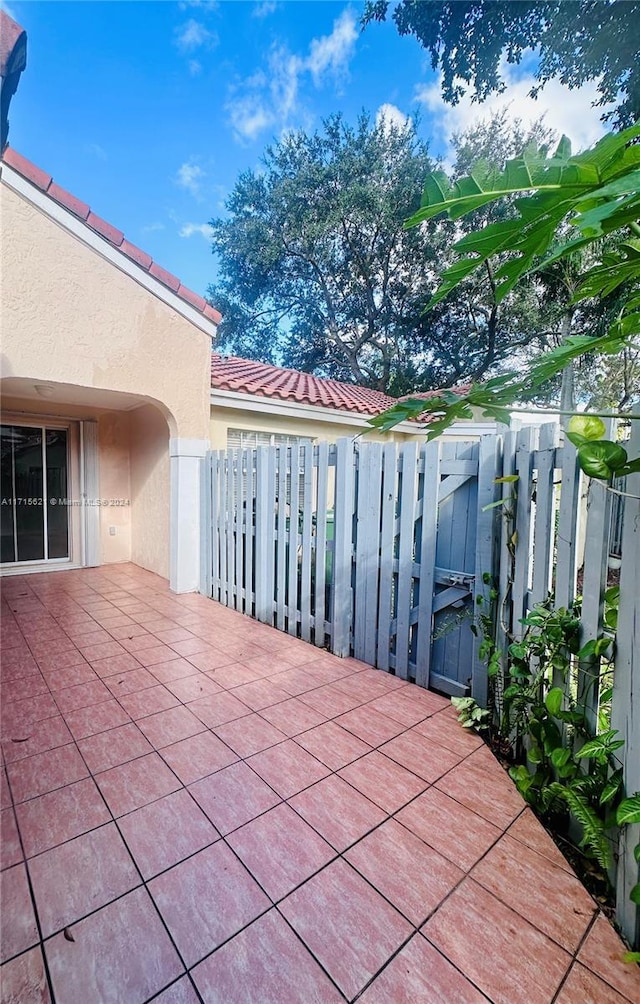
[(363, 548)]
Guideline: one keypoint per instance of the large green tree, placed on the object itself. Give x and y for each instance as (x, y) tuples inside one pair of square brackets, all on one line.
[(577, 40), (316, 268), (318, 271)]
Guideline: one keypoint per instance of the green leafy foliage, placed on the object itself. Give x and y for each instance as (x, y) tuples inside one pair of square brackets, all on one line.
[(318, 272), (597, 192), (468, 40), (593, 193), (561, 769), (629, 810), (470, 714)]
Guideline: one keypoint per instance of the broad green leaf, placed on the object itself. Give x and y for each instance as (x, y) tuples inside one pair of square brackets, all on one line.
[(634, 895), (612, 595), (611, 788), (633, 467), (582, 428), (629, 810), (553, 700), (602, 644), (601, 458), (587, 651), (560, 757)]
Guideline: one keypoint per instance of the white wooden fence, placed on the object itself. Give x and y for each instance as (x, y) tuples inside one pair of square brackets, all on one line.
[(363, 548), (560, 537), (380, 551)]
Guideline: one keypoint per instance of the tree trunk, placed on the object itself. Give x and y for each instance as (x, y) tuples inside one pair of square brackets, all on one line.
[(567, 390)]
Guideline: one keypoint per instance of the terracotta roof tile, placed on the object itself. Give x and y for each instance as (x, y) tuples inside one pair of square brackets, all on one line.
[(213, 314), (140, 257), (112, 234), (165, 277), (194, 299), (28, 170), (69, 201), (45, 183), (251, 377), (247, 376)]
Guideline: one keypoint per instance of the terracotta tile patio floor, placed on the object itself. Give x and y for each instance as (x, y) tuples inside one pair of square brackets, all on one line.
[(196, 807)]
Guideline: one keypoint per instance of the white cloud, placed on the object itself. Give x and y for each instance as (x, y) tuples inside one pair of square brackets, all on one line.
[(189, 176), (564, 110), (264, 9), (269, 98), (152, 227), (390, 115), (189, 229), (193, 35), (248, 118), (195, 68), (332, 53)]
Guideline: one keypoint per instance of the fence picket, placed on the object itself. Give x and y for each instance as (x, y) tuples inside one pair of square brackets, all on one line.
[(321, 553), (292, 542), (567, 537), (427, 551), (367, 550), (388, 503), (206, 518), (239, 528), (341, 600), (248, 468), (625, 712), (405, 556), (307, 527), (596, 557), (488, 460), (230, 520), (283, 455), (522, 550), (543, 537)]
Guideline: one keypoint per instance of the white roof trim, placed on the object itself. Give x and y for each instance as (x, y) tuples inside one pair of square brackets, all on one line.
[(72, 224)]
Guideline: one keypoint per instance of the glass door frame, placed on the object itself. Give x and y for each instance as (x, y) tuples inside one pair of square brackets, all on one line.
[(44, 422)]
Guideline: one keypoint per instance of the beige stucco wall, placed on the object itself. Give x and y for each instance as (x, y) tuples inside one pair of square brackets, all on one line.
[(149, 465), (69, 316), (114, 479), (223, 419)]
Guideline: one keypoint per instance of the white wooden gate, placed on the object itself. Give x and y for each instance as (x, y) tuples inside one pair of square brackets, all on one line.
[(367, 549)]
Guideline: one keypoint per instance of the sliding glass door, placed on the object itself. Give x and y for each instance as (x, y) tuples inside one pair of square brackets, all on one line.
[(34, 486)]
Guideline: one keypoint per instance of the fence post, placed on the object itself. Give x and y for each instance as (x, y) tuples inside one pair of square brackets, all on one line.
[(485, 558), (596, 555), (206, 527), (264, 536), (625, 711), (367, 567), (343, 544), (526, 443)]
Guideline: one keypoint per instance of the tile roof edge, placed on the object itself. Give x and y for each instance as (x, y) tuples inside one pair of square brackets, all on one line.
[(249, 383), (43, 181)]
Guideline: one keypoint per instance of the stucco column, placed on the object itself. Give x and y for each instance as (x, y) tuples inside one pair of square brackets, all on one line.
[(185, 531)]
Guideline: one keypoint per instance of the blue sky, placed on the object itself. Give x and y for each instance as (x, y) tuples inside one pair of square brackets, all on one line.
[(148, 111)]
